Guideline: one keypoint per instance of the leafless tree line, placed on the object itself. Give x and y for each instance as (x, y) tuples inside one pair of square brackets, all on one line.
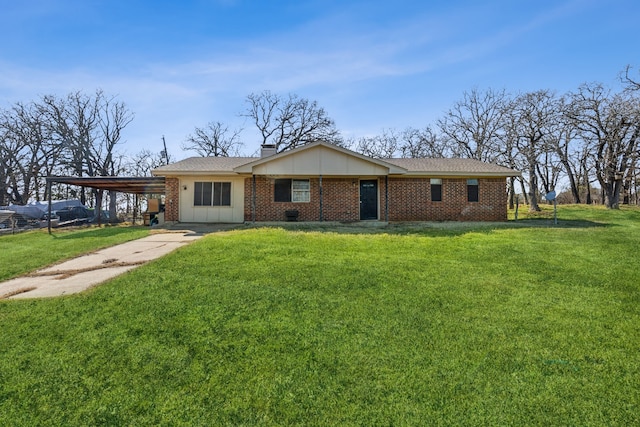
[(582, 138), (585, 137), (76, 135)]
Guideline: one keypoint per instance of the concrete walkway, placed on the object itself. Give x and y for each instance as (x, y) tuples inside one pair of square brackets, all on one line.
[(85, 271)]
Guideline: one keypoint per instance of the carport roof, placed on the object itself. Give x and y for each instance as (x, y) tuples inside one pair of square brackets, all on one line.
[(133, 185)]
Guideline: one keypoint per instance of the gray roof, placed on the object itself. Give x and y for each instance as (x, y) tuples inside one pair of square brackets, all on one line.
[(423, 166), (199, 165), (439, 166)]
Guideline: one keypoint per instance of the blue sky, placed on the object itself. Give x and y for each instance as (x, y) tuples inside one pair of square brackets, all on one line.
[(371, 64)]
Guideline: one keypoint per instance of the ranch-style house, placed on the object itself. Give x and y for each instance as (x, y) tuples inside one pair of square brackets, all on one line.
[(324, 182)]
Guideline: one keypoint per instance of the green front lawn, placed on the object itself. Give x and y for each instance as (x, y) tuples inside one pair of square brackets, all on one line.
[(28, 251), (523, 324)]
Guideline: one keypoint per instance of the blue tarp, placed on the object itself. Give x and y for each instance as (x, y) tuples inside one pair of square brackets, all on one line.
[(37, 210)]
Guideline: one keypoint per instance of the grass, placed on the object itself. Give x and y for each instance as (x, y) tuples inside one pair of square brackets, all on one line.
[(25, 252), (523, 324)]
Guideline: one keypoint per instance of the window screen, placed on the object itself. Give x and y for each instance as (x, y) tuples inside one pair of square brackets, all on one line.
[(212, 194), (282, 190)]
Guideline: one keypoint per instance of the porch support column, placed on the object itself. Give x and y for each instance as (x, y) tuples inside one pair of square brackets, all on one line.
[(386, 198), (253, 199), (321, 200)]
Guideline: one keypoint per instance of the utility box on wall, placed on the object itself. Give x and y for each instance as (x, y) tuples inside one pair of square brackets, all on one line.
[(291, 215)]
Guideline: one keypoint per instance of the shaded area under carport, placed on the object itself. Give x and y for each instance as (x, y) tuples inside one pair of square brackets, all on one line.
[(131, 185)]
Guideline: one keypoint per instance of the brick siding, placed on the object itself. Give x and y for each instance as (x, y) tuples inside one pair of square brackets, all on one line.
[(340, 201), (172, 199), (409, 200)]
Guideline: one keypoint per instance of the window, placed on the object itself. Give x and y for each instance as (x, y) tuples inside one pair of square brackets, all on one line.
[(436, 190), (301, 190), (212, 194), (472, 190), (292, 190)]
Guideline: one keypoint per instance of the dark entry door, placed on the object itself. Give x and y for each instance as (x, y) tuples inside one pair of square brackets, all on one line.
[(368, 199)]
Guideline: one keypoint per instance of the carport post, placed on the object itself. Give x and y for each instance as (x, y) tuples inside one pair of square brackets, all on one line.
[(49, 207)]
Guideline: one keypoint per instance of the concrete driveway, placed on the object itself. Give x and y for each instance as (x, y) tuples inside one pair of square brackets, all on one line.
[(78, 274)]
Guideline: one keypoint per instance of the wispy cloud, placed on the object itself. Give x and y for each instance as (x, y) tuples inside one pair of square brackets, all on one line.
[(406, 55)]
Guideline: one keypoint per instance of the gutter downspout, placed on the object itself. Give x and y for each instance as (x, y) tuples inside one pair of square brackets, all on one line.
[(253, 199), (386, 198)]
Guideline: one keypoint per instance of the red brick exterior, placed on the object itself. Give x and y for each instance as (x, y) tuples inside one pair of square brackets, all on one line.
[(172, 199), (409, 199), (340, 197)]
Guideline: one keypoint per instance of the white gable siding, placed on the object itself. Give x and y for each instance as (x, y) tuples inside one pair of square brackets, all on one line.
[(320, 161)]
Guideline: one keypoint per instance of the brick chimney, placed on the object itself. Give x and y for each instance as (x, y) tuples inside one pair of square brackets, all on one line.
[(267, 150)]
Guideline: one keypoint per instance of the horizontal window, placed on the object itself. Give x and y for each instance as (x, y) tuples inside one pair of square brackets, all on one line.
[(212, 194), (292, 190)]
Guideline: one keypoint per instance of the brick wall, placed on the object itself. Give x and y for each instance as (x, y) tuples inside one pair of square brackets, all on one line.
[(409, 200), (172, 199), (340, 201)]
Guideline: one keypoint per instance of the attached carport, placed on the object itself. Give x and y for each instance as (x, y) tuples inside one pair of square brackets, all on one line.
[(131, 185)]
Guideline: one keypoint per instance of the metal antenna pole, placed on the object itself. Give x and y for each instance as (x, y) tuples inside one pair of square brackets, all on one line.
[(166, 154)]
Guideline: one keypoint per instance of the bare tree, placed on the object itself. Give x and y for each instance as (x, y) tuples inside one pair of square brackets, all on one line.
[(568, 147), (510, 156), (610, 125), (27, 153), (631, 84), (10, 163), (89, 129), (289, 122), (410, 143), (140, 164), (384, 146), (536, 120), (113, 117), (474, 125), (420, 143), (214, 140)]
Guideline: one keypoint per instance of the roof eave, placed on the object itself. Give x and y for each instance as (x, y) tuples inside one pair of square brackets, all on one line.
[(451, 174), (192, 173)]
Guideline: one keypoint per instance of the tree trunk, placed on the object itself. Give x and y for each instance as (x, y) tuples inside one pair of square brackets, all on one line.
[(533, 189), (524, 192), (575, 192), (611, 196), (98, 207), (112, 207)]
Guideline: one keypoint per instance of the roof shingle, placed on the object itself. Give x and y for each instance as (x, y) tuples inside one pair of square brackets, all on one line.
[(451, 166), (422, 166)]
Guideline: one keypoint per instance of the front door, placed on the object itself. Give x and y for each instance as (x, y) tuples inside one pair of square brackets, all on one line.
[(368, 199)]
